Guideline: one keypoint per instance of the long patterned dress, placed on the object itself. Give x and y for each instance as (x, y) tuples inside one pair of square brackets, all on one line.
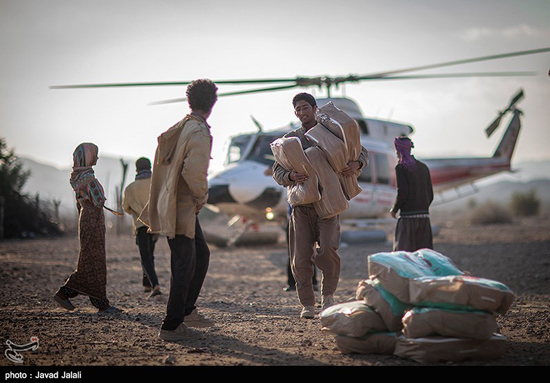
[(90, 276)]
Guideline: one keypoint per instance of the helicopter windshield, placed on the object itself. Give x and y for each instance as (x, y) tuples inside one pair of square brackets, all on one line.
[(236, 148), (261, 151)]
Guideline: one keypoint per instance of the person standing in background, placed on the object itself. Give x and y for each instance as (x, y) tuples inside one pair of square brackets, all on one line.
[(90, 275), (134, 200), (414, 197)]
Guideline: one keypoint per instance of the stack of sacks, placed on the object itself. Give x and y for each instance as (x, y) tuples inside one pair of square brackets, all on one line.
[(288, 152), (442, 314), (340, 138), (450, 311)]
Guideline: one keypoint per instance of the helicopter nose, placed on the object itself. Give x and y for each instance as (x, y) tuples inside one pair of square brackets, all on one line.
[(244, 184), (219, 194)]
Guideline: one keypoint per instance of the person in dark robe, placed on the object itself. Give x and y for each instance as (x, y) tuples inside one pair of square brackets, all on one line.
[(414, 197)]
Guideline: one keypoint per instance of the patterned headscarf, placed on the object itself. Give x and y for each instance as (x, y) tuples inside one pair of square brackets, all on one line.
[(403, 146), (83, 180)]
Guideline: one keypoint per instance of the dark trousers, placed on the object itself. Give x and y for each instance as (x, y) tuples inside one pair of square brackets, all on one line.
[(146, 244), (189, 260)]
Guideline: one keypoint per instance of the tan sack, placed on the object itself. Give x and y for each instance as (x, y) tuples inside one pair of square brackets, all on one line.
[(424, 321), (378, 343), (390, 309), (441, 349), (343, 127), (351, 319), (461, 292), (395, 269), (289, 153), (333, 201), (333, 147), (337, 155)]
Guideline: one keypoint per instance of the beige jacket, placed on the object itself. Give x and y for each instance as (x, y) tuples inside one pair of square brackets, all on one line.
[(179, 184), (134, 200)]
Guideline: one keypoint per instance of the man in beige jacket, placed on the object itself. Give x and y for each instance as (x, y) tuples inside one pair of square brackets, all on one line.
[(134, 200), (179, 189)]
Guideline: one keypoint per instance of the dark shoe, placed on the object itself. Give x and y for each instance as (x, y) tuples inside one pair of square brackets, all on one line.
[(289, 288), (156, 292), (64, 302), (110, 310), (195, 319), (308, 312), (180, 333)]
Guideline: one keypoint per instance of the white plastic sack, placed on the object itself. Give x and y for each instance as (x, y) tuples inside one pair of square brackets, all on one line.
[(381, 343), (424, 321), (396, 269), (461, 292), (390, 309), (351, 319), (441, 349)]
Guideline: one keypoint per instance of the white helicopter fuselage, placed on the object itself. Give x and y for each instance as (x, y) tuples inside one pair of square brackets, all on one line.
[(246, 188), (243, 187)]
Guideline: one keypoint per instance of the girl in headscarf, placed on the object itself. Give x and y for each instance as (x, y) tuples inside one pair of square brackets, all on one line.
[(90, 276), (414, 196)]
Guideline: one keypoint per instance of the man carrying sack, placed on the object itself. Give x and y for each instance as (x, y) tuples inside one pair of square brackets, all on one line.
[(306, 227)]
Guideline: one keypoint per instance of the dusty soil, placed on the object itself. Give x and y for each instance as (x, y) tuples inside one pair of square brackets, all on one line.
[(257, 323)]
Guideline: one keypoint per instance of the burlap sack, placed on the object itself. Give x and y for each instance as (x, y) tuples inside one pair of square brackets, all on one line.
[(289, 153), (386, 305), (461, 292), (420, 322), (353, 319), (382, 343), (441, 349), (337, 156), (342, 126), (333, 147), (333, 201), (395, 270)]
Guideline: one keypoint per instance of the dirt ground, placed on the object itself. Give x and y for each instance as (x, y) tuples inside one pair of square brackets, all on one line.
[(256, 322)]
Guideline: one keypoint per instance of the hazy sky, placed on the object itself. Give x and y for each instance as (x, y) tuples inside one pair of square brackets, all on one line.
[(57, 42)]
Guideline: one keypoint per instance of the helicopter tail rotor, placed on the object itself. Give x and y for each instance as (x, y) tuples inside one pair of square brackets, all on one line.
[(496, 123)]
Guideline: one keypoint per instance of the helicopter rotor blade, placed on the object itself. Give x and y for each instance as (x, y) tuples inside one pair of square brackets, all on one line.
[(447, 75), (173, 83), (174, 100), (457, 62)]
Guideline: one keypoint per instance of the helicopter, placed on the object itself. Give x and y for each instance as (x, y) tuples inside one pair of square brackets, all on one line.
[(243, 191)]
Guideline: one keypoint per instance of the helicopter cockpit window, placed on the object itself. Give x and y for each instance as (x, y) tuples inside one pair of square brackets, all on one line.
[(383, 172), (363, 126), (366, 174), (236, 149), (261, 151)]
